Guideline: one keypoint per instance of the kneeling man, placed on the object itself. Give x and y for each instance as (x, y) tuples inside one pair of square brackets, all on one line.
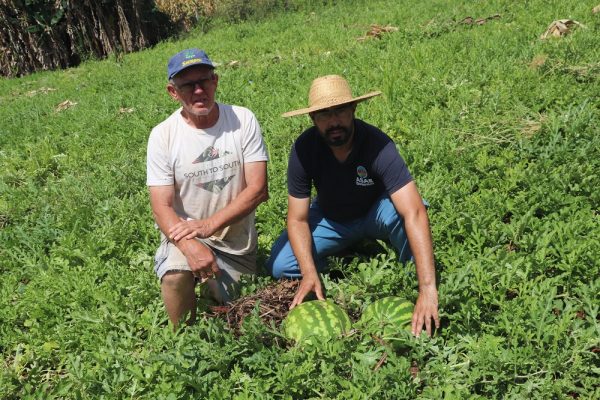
[(207, 174)]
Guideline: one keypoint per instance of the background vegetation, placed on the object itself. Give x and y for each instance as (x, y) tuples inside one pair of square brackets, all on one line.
[(39, 35), (499, 128)]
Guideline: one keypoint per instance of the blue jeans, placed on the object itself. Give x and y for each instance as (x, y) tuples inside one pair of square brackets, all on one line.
[(330, 237)]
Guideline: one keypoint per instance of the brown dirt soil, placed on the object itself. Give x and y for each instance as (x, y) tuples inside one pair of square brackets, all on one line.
[(273, 303)]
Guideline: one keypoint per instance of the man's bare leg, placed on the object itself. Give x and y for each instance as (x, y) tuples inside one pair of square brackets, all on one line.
[(177, 288)]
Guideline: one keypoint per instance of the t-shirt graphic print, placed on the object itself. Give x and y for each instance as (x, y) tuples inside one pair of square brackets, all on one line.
[(206, 169), (212, 153)]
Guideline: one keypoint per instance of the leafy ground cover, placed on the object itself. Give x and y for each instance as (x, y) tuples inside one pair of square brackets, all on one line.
[(500, 129)]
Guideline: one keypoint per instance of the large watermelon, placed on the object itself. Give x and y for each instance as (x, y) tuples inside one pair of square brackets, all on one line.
[(315, 321), (387, 317)]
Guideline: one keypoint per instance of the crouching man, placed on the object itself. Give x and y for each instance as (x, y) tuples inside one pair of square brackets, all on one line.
[(363, 191)]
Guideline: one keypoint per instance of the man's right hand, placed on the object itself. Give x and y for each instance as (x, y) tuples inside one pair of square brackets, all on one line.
[(200, 258), (309, 283)]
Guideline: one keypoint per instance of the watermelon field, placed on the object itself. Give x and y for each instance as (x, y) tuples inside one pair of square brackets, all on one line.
[(499, 127)]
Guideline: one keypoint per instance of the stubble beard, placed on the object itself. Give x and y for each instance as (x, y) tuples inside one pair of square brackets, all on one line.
[(338, 141)]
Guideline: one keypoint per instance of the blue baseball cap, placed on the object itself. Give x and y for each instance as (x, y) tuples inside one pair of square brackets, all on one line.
[(185, 59)]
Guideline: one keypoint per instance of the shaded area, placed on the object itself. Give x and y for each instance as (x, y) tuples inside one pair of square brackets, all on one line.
[(42, 35)]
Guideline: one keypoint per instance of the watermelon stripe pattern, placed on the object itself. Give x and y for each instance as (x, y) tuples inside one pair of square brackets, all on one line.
[(388, 315), (316, 321)]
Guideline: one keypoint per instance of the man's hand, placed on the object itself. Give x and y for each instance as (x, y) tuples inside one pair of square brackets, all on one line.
[(409, 205), (426, 309), (201, 259), (309, 283), (200, 228)]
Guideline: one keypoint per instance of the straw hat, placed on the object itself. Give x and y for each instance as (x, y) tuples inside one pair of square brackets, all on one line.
[(329, 91)]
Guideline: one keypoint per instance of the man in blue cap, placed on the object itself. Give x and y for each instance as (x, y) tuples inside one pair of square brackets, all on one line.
[(206, 172)]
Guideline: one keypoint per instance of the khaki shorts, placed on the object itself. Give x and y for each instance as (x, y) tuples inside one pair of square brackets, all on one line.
[(221, 289)]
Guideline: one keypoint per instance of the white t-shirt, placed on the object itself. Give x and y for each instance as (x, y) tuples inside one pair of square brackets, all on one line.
[(206, 167)]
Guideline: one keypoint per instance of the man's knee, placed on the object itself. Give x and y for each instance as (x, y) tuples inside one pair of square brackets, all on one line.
[(388, 215), (275, 266), (283, 264), (281, 257), (176, 280)]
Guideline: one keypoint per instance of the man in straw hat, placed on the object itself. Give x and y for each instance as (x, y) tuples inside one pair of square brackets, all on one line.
[(206, 175), (364, 190)]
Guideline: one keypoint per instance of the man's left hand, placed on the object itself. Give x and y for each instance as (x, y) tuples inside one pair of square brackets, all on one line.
[(426, 309), (200, 228)]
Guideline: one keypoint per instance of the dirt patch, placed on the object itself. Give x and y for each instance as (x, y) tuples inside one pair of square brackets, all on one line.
[(273, 304)]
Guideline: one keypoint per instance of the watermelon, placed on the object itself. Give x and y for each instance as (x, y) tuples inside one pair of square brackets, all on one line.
[(315, 321), (387, 317)]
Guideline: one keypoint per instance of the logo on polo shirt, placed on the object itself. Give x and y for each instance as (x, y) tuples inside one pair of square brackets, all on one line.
[(362, 179)]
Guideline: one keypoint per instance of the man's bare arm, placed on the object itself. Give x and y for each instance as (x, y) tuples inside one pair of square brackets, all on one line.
[(255, 192), (301, 242), (409, 205), (200, 258)]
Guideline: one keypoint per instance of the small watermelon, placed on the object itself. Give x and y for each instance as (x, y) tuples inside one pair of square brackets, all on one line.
[(315, 321), (387, 317)]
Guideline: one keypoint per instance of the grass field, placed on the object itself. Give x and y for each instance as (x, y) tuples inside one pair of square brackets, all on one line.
[(500, 129)]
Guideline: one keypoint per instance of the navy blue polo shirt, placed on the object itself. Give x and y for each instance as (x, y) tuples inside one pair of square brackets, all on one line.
[(347, 190)]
